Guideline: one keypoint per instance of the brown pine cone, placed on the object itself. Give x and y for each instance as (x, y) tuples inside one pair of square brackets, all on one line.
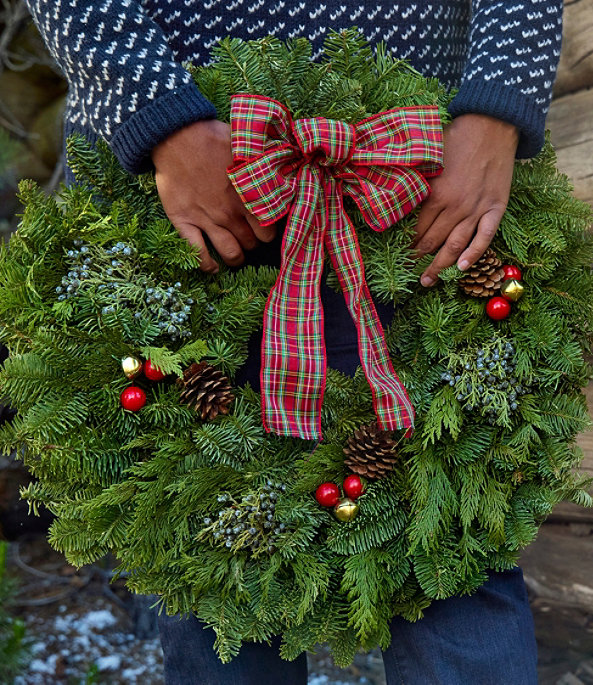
[(484, 278), (370, 452), (205, 389)]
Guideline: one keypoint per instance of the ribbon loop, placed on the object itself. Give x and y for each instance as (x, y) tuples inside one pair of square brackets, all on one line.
[(303, 168)]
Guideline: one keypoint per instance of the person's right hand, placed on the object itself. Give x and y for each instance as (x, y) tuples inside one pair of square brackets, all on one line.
[(198, 196)]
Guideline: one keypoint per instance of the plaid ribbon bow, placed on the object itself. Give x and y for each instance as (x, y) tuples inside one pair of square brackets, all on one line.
[(303, 168)]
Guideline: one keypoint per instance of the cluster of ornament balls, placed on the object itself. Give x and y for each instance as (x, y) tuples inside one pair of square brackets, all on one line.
[(345, 508), (487, 277), (133, 398)]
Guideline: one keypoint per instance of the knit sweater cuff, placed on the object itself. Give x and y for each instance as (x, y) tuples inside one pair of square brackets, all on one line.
[(505, 103), (135, 139)]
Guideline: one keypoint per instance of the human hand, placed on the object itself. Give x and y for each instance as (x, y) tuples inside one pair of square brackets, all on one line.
[(198, 196), (464, 209)]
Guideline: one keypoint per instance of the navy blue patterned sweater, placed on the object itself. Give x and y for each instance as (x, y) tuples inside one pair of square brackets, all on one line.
[(122, 58)]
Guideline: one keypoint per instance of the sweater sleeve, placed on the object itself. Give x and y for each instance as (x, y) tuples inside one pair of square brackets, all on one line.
[(511, 67), (124, 83)]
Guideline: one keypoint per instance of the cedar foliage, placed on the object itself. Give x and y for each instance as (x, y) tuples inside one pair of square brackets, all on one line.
[(470, 488)]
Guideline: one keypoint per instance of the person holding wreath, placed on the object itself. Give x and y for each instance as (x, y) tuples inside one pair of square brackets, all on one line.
[(127, 85)]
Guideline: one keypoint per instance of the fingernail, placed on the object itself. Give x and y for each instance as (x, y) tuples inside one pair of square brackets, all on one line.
[(463, 264), (427, 280)]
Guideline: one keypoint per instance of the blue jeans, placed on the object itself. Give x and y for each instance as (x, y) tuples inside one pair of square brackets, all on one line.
[(482, 639)]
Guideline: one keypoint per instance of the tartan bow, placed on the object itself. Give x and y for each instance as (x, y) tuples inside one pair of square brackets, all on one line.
[(303, 168)]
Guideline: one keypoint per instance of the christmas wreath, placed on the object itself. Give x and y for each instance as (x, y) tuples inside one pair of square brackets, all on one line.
[(123, 357)]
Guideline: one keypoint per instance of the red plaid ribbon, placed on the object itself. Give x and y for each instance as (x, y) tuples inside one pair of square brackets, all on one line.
[(303, 168)]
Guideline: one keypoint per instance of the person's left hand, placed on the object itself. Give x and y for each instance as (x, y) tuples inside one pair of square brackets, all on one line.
[(464, 209)]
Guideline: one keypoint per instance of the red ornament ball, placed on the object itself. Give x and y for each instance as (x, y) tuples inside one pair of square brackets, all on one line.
[(327, 494), (353, 487), (512, 271), (133, 398), (498, 308), (152, 372)]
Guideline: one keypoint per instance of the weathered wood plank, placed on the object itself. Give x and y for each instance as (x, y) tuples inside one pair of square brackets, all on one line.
[(575, 70), (558, 566), (571, 124), (567, 512)]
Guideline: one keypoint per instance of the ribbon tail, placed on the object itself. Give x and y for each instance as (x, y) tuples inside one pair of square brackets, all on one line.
[(393, 407), (293, 362)]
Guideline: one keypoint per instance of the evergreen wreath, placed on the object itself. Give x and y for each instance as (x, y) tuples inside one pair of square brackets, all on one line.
[(196, 501)]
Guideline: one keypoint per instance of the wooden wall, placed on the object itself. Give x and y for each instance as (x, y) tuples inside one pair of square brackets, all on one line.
[(571, 115), (571, 124)]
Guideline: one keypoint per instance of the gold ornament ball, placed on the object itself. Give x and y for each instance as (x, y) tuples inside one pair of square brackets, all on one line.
[(346, 509), (511, 290), (131, 367)]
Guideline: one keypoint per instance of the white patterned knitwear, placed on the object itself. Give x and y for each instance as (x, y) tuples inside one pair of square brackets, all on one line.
[(122, 58)]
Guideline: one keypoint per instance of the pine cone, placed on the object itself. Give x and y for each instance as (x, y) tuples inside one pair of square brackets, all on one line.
[(370, 452), (206, 390), (484, 278)]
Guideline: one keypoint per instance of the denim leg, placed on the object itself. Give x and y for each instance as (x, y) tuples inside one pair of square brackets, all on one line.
[(190, 659), (482, 639)]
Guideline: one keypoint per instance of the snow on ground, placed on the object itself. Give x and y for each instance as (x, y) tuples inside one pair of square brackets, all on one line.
[(86, 635), (72, 644)]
